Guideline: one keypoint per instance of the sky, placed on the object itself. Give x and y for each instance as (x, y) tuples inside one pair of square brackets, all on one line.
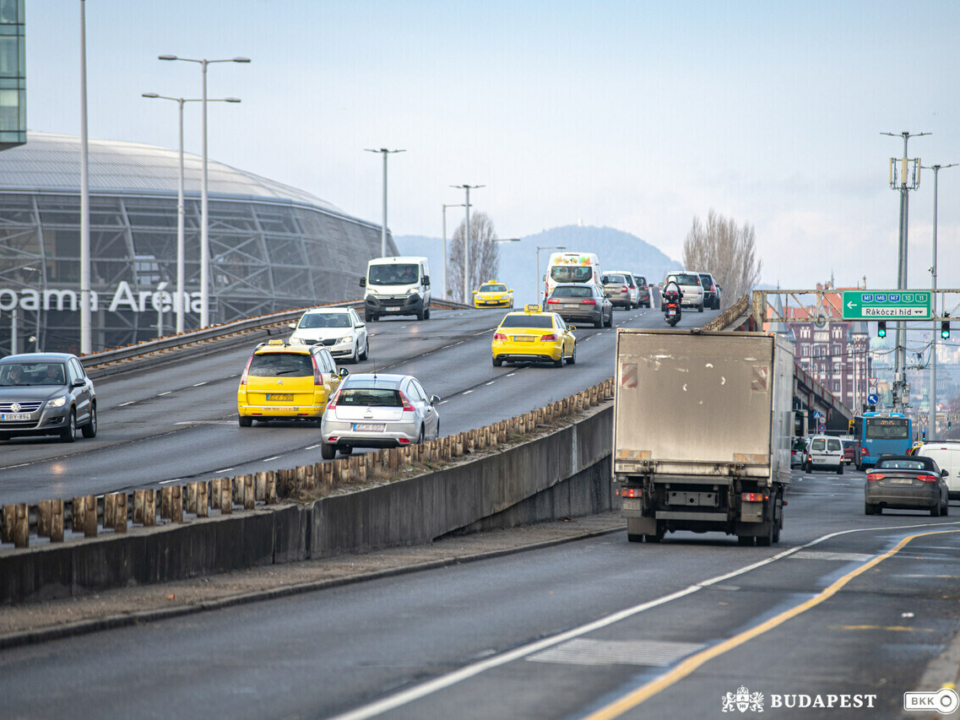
[(634, 115)]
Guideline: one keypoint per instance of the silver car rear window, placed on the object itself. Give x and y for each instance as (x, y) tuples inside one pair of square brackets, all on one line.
[(372, 397), (575, 292)]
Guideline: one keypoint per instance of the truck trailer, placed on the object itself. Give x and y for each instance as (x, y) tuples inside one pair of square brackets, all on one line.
[(701, 432)]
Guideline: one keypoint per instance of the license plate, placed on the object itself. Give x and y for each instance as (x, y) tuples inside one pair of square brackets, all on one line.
[(369, 427), (568, 305), (393, 309), (14, 417), (902, 481), (672, 311), (279, 396), (631, 504), (286, 408), (523, 338)]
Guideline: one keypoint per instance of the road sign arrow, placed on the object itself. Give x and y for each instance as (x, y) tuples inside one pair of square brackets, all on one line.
[(850, 305)]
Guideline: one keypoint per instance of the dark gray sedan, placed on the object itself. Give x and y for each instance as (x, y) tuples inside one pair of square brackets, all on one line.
[(46, 394), (579, 303), (911, 482)]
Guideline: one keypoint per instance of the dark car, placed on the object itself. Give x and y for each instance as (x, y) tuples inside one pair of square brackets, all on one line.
[(646, 294), (911, 482), (578, 303), (849, 450), (711, 291), (46, 394)]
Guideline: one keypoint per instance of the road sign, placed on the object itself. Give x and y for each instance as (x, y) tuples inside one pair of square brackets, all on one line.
[(817, 415), (873, 399), (822, 427), (873, 382), (923, 421), (887, 305)]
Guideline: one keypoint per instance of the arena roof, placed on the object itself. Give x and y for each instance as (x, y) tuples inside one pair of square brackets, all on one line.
[(51, 163)]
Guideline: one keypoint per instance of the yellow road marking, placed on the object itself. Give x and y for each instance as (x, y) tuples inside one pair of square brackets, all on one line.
[(632, 699)]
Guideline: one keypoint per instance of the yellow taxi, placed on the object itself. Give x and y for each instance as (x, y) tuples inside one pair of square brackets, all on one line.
[(534, 336), (287, 382), (493, 294)]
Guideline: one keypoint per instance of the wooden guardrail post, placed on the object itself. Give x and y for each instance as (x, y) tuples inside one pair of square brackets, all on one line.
[(192, 496), (226, 496), (202, 500), (44, 517), (176, 504), (109, 510), (260, 486), (77, 506), (149, 508), (90, 516), (56, 521), (21, 526), (270, 498), (249, 492), (139, 500), (166, 502), (6, 531)]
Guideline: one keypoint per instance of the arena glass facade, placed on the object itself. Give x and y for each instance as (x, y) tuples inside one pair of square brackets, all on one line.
[(272, 247)]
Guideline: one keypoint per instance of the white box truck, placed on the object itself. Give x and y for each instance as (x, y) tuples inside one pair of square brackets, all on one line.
[(701, 434)]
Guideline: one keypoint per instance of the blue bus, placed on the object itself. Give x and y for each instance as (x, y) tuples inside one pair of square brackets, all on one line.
[(877, 434)]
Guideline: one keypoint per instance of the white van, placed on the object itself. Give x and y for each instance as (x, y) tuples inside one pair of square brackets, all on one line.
[(947, 456), (396, 286), (571, 267)]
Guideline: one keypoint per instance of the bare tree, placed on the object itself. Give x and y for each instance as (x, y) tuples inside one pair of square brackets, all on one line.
[(484, 255), (725, 251)]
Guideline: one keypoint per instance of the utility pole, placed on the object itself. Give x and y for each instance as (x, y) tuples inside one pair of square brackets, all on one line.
[(903, 180), (466, 244), (383, 230), (932, 395)]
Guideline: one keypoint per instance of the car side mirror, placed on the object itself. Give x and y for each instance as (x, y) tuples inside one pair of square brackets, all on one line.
[(434, 399), (343, 372), (292, 326), (509, 290), (426, 280), (360, 325), (571, 328), (363, 282), (79, 382), (944, 473), (475, 292)]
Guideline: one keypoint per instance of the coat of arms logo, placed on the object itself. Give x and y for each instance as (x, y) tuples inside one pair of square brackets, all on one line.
[(743, 700)]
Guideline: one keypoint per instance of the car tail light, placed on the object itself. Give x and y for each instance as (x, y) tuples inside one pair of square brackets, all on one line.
[(927, 478), (548, 338), (624, 289), (404, 441), (552, 301), (243, 378), (751, 497), (317, 378), (406, 403), (332, 405), (873, 477), (499, 336), (588, 302), (631, 492), (332, 439)]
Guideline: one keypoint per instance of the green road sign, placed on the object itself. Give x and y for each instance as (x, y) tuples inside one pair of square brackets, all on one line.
[(887, 305)]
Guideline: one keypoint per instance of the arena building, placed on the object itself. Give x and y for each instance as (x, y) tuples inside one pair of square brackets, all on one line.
[(272, 247)]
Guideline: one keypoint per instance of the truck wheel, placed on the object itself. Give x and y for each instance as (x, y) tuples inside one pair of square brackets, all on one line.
[(840, 468), (426, 314), (744, 540), (367, 317), (420, 315), (634, 538), (652, 538)]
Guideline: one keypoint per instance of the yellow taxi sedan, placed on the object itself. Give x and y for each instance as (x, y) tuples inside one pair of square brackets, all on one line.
[(493, 295), (287, 382), (534, 336)]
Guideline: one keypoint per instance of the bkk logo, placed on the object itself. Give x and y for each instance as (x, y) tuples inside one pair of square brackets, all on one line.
[(743, 701)]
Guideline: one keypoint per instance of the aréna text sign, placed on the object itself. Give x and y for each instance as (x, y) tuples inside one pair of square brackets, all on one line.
[(887, 305)]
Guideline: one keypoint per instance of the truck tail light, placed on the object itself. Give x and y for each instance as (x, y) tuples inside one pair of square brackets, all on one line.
[(927, 478), (631, 492), (751, 497), (549, 338), (873, 477)]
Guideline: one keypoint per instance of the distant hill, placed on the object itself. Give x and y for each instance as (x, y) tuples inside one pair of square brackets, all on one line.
[(617, 250)]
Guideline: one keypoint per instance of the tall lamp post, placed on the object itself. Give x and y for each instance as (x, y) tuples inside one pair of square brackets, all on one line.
[(466, 243), (178, 303), (445, 206), (536, 277), (204, 214), (932, 395), (86, 336), (383, 230)]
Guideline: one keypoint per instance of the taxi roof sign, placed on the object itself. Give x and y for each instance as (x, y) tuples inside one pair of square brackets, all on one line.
[(531, 309), (275, 342)]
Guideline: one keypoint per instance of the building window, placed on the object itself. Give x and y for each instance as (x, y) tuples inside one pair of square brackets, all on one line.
[(13, 75), (836, 386)]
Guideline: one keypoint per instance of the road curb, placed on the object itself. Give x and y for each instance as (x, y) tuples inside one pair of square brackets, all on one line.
[(85, 627)]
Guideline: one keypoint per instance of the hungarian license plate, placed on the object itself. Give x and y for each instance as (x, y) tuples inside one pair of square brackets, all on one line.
[(279, 396), (14, 417), (672, 311), (902, 481), (393, 309), (523, 338), (369, 427), (631, 504)]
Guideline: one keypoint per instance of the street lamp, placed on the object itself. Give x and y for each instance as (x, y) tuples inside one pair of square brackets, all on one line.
[(204, 216), (383, 230), (445, 245), (86, 334), (932, 395), (178, 303), (536, 276), (466, 244)]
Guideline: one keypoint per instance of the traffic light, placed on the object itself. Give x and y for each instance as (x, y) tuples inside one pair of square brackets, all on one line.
[(882, 328), (945, 329)]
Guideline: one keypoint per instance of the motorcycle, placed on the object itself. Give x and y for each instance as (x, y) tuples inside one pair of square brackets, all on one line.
[(671, 309)]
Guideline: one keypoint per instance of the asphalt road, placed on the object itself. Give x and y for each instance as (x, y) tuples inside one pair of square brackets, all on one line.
[(564, 632), (178, 422)]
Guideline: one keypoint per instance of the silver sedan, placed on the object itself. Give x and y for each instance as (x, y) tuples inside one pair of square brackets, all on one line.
[(378, 411)]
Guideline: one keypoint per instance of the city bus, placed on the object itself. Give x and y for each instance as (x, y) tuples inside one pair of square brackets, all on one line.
[(877, 434)]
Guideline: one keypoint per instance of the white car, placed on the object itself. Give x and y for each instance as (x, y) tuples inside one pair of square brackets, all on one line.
[(690, 286), (824, 452), (340, 330)]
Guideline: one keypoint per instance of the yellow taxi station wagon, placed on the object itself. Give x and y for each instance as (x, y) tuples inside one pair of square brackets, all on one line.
[(534, 336), (493, 294), (287, 382)]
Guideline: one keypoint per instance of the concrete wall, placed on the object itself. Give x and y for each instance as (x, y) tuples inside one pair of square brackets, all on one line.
[(564, 473)]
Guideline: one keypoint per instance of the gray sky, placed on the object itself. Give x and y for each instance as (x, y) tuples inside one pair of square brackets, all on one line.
[(636, 115)]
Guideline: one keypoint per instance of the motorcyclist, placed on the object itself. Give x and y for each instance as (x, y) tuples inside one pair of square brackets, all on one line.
[(671, 294)]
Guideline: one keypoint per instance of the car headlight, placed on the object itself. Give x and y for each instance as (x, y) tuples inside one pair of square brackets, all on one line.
[(58, 402), (411, 291), (345, 339)]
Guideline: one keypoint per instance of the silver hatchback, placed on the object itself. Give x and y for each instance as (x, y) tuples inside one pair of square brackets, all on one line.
[(378, 411)]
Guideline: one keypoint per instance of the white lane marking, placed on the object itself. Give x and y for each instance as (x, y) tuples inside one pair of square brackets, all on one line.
[(841, 556), (444, 402), (464, 673), (201, 383), (11, 467), (167, 482), (223, 471), (165, 393), (491, 382), (312, 447), (467, 392), (275, 457), (512, 374), (126, 403)]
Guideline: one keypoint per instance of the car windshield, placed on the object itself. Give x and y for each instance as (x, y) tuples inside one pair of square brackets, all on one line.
[(573, 292), (33, 373), (393, 274), (685, 279), (280, 365), (373, 397), (904, 464), (324, 320), (571, 273), (527, 321), (493, 288)]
